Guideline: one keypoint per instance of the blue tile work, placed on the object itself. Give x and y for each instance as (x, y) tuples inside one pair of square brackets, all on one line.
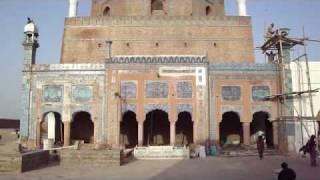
[(59, 76), (243, 67), (25, 102), (231, 72)]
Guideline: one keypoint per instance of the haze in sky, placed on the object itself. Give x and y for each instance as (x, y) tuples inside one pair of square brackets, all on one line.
[(49, 16)]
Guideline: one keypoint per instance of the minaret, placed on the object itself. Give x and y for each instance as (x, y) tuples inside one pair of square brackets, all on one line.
[(30, 45), (30, 42), (242, 6), (73, 8)]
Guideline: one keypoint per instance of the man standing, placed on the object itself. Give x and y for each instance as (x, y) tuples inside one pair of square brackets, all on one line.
[(269, 32), (312, 150), (286, 173), (260, 146)]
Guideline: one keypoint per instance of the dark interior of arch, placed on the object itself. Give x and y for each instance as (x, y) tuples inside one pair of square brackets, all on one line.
[(156, 128), (230, 125), (184, 129), (106, 11), (59, 129), (156, 5), (208, 10), (260, 122), (129, 130), (82, 127)]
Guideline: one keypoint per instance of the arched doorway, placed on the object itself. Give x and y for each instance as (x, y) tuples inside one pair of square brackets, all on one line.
[(230, 129), (82, 127), (156, 128), (184, 129), (56, 125), (260, 125), (129, 130), (106, 11)]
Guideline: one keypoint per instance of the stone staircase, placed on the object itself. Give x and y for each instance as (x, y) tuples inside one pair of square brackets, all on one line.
[(244, 151), (87, 156)]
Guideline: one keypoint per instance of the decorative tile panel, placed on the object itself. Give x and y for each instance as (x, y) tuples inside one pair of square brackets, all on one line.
[(260, 92), (159, 59), (184, 108), (267, 109), (82, 93), (52, 93), (150, 107), (128, 107), (231, 93), (184, 89), (128, 89), (156, 89)]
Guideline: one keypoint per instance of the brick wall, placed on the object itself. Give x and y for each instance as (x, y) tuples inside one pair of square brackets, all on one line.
[(170, 7), (224, 39)]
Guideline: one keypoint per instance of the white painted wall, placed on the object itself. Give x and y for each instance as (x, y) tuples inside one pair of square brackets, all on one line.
[(300, 83)]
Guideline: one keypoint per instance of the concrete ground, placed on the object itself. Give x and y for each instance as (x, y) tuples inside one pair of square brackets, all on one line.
[(213, 168)]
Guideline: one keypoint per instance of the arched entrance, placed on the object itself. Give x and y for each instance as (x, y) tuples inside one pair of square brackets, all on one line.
[(260, 125), (184, 129), (82, 127), (52, 119), (129, 130), (156, 129), (230, 129)]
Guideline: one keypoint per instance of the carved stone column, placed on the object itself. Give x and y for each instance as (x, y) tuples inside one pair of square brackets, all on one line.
[(67, 128), (140, 133), (172, 133), (246, 133)]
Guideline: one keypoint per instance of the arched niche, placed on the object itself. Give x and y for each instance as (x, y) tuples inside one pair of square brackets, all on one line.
[(106, 11)]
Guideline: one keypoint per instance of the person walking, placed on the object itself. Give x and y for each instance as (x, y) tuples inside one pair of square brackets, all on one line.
[(286, 173), (312, 150), (260, 146)]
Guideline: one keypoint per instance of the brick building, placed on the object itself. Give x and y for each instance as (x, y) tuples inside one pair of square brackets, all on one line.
[(149, 72)]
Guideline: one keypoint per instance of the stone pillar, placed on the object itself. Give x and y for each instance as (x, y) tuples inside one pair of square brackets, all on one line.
[(67, 128), (140, 133), (172, 133), (275, 127), (246, 133)]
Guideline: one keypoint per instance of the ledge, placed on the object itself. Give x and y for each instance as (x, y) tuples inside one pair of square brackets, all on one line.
[(159, 20)]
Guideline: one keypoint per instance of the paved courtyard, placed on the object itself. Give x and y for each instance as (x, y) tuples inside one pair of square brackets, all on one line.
[(213, 168)]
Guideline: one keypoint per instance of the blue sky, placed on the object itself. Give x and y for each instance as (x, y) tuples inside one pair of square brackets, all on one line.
[(49, 16)]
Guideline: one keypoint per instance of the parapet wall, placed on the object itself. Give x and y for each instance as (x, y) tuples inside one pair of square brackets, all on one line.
[(222, 38)]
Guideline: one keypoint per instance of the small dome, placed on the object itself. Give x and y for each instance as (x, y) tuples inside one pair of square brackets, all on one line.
[(31, 28)]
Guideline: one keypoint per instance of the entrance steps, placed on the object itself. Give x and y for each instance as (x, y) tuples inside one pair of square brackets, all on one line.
[(88, 156), (161, 152), (244, 151)]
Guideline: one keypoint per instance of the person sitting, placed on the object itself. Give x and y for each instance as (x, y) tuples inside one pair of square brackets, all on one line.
[(286, 173)]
